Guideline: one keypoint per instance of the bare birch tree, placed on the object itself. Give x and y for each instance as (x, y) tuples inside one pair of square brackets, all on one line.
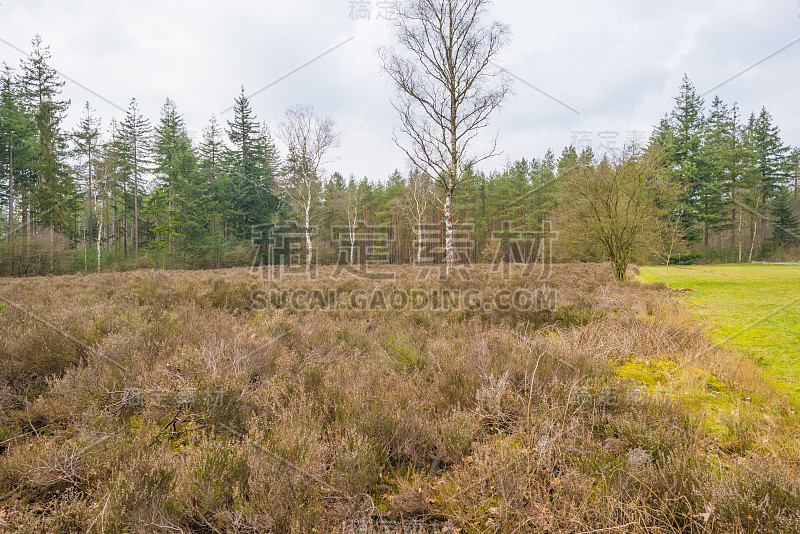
[(352, 198), (308, 138), (104, 178), (415, 204), (448, 85)]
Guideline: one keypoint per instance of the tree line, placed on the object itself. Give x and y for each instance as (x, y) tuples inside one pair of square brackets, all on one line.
[(130, 193), (739, 179)]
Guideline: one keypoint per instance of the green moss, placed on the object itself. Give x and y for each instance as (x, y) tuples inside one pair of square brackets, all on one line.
[(649, 373), (705, 395), (709, 381)]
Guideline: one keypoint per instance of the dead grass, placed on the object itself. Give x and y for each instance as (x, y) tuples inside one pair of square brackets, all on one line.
[(161, 402)]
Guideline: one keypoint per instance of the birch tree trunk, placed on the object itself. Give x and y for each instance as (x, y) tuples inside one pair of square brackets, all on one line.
[(448, 85), (739, 232), (753, 240), (99, 233), (448, 223), (419, 240), (308, 233), (352, 229)]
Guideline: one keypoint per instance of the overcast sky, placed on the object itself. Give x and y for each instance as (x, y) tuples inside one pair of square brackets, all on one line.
[(611, 66)]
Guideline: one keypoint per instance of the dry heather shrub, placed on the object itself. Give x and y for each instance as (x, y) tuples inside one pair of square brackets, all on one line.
[(753, 495), (357, 464), (143, 496), (505, 421), (413, 498)]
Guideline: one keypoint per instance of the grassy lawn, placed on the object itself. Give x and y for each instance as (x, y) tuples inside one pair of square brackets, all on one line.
[(753, 307)]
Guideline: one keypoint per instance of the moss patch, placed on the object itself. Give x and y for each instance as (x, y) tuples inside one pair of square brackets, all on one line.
[(649, 372), (712, 400)]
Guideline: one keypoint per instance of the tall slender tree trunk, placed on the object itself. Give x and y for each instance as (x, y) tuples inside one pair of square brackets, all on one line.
[(733, 232), (169, 237), (105, 215), (135, 202), (24, 214), (91, 196), (419, 240), (52, 245), (352, 230), (739, 234), (10, 209), (113, 230), (308, 234), (99, 233), (754, 233), (448, 223), (124, 220)]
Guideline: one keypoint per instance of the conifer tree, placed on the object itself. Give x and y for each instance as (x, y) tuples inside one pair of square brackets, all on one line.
[(17, 138), (41, 87), (136, 141), (250, 168), (787, 226), (86, 141), (175, 166)]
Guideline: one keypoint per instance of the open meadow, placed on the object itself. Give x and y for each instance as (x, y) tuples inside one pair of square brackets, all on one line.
[(754, 308), (215, 401)]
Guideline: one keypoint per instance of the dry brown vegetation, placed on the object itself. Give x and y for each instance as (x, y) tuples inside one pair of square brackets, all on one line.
[(161, 402)]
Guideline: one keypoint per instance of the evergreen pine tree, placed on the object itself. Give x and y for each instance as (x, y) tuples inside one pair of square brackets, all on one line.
[(54, 193), (175, 167), (250, 171), (136, 141), (17, 139), (717, 162), (787, 226), (86, 141), (684, 156)]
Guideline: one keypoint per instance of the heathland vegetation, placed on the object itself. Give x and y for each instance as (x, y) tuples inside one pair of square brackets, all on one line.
[(162, 401)]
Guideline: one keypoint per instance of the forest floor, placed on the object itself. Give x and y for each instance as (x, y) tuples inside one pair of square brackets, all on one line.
[(754, 308), (217, 401)]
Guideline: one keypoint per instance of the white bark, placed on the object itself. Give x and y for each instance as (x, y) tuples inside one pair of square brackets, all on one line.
[(352, 224), (740, 235), (99, 233), (308, 139), (420, 234), (448, 86), (448, 221), (309, 247), (753, 240), (414, 206)]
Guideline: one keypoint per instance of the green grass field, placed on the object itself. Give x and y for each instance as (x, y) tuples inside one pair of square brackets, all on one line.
[(754, 308)]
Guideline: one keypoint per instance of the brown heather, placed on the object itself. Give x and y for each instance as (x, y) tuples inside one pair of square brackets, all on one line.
[(161, 402)]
